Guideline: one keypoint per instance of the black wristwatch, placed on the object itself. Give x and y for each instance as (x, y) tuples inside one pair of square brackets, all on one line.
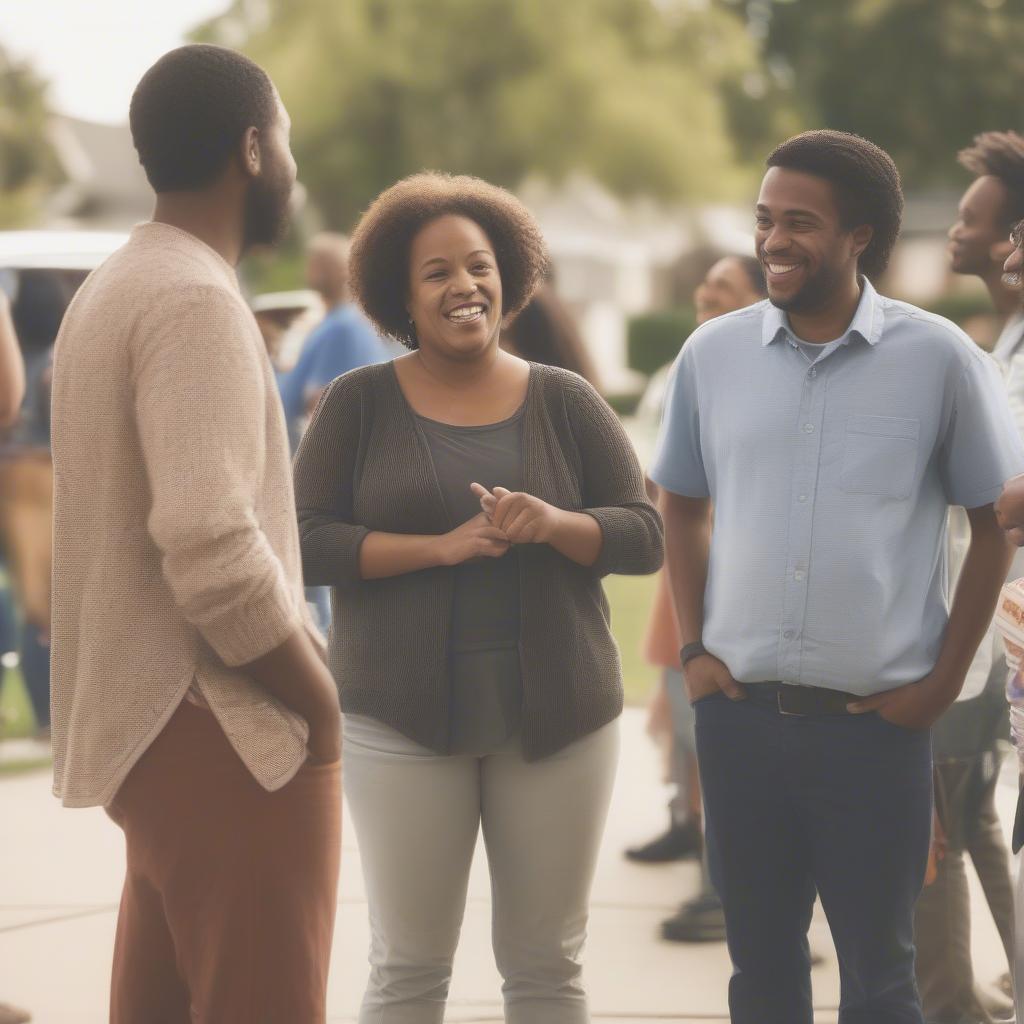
[(691, 651)]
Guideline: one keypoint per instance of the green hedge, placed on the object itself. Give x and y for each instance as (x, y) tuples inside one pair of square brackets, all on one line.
[(654, 339), (959, 308)]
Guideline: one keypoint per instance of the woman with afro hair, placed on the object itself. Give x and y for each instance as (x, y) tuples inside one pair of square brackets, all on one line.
[(464, 505)]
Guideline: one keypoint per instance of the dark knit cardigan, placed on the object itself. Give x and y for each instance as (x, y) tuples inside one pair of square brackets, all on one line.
[(364, 466)]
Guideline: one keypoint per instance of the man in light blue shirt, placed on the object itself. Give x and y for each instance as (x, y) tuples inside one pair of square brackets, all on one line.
[(830, 428)]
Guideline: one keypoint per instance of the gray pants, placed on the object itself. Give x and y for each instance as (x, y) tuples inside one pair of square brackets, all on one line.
[(417, 816), (942, 919), (684, 743), (684, 760)]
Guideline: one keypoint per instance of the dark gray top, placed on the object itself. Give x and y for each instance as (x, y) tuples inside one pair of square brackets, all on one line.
[(364, 465), (484, 642)]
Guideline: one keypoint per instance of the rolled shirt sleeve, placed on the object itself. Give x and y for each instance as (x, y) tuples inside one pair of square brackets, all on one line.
[(199, 404), (678, 464), (982, 448)]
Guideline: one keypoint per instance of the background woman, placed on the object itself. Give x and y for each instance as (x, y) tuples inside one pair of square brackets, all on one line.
[(478, 676)]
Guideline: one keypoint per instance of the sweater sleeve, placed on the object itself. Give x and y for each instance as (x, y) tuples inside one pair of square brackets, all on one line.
[(613, 486), (200, 409), (324, 486)]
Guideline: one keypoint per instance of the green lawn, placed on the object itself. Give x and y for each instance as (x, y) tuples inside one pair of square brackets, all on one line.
[(630, 598), (16, 718)]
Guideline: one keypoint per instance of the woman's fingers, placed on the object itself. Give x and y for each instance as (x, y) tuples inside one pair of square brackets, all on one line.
[(508, 506), (493, 533), (518, 524)]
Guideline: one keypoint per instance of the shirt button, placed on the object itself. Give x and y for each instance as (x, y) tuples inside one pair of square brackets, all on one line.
[(799, 576), (808, 428), (802, 498), (788, 635), (814, 372)]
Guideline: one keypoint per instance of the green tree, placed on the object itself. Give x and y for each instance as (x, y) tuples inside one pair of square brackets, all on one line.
[(28, 167), (639, 95), (919, 77)]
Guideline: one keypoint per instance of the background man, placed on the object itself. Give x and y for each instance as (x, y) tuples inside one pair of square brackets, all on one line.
[(731, 283), (965, 740), (190, 697), (1010, 622), (342, 341), (831, 429), (979, 240)]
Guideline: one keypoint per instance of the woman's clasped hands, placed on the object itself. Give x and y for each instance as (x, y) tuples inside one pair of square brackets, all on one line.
[(521, 518)]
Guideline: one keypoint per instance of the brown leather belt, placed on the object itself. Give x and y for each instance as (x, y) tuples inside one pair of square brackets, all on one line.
[(789, 699)]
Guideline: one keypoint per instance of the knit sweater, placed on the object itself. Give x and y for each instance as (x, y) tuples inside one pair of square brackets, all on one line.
[(364, 466), (176, 554)]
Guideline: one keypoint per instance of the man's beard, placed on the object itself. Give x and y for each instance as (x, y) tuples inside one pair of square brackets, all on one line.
[(266, 213), (815, 293)]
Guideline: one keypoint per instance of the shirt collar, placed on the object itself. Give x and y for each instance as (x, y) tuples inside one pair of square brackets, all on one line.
[(866, 323)]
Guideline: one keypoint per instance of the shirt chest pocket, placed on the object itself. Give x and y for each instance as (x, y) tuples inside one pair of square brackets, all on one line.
[(880, 456)]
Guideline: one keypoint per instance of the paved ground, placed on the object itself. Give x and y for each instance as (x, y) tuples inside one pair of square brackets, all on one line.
[(60, 875)]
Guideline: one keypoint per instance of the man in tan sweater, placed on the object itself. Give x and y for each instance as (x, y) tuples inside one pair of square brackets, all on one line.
[(189, 693)]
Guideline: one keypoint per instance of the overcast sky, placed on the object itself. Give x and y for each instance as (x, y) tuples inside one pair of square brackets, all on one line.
[(94, 51)]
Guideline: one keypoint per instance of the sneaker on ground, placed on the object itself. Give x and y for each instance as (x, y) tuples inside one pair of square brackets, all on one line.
[(698, 920), (680, 842)]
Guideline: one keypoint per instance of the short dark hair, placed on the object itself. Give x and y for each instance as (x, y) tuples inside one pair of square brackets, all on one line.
[(864, 179), (190, 110), (1001, 155), (379, 256)]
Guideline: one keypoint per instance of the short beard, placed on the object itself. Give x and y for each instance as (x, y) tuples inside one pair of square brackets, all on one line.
[(266, 215), (814, 295)]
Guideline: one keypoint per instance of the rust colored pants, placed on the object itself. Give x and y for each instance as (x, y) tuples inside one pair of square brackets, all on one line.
[(227, 913)]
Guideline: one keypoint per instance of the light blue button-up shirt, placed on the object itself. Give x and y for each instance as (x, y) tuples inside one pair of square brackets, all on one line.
[(830, 483)]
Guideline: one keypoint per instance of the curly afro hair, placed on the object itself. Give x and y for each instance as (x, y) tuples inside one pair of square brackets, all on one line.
[(865, 181), (1001, 155), (379, 256)]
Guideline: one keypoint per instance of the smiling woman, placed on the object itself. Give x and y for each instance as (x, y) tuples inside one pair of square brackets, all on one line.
[(381, 263), (465, 504)]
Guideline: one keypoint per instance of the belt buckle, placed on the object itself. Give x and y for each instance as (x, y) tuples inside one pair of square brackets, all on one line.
[(782, 711)]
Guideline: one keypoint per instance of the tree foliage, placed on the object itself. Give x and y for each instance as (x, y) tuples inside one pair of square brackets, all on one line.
[(919, 77), (28, 166), (641, 96)]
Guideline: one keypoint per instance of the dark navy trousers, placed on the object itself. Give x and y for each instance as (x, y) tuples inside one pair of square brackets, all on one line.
[(836, 805)]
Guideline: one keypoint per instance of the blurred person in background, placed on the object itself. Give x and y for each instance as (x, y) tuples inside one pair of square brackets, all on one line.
[(819, 647), (342, 341), (733, 282), (12, 367), (966, 740), (979, 239), (1010, 625), (12, 390), (545, 332), (190, 698), (26, 481)]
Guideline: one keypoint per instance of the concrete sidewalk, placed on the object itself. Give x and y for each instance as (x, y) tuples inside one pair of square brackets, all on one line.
[(61, 870)]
